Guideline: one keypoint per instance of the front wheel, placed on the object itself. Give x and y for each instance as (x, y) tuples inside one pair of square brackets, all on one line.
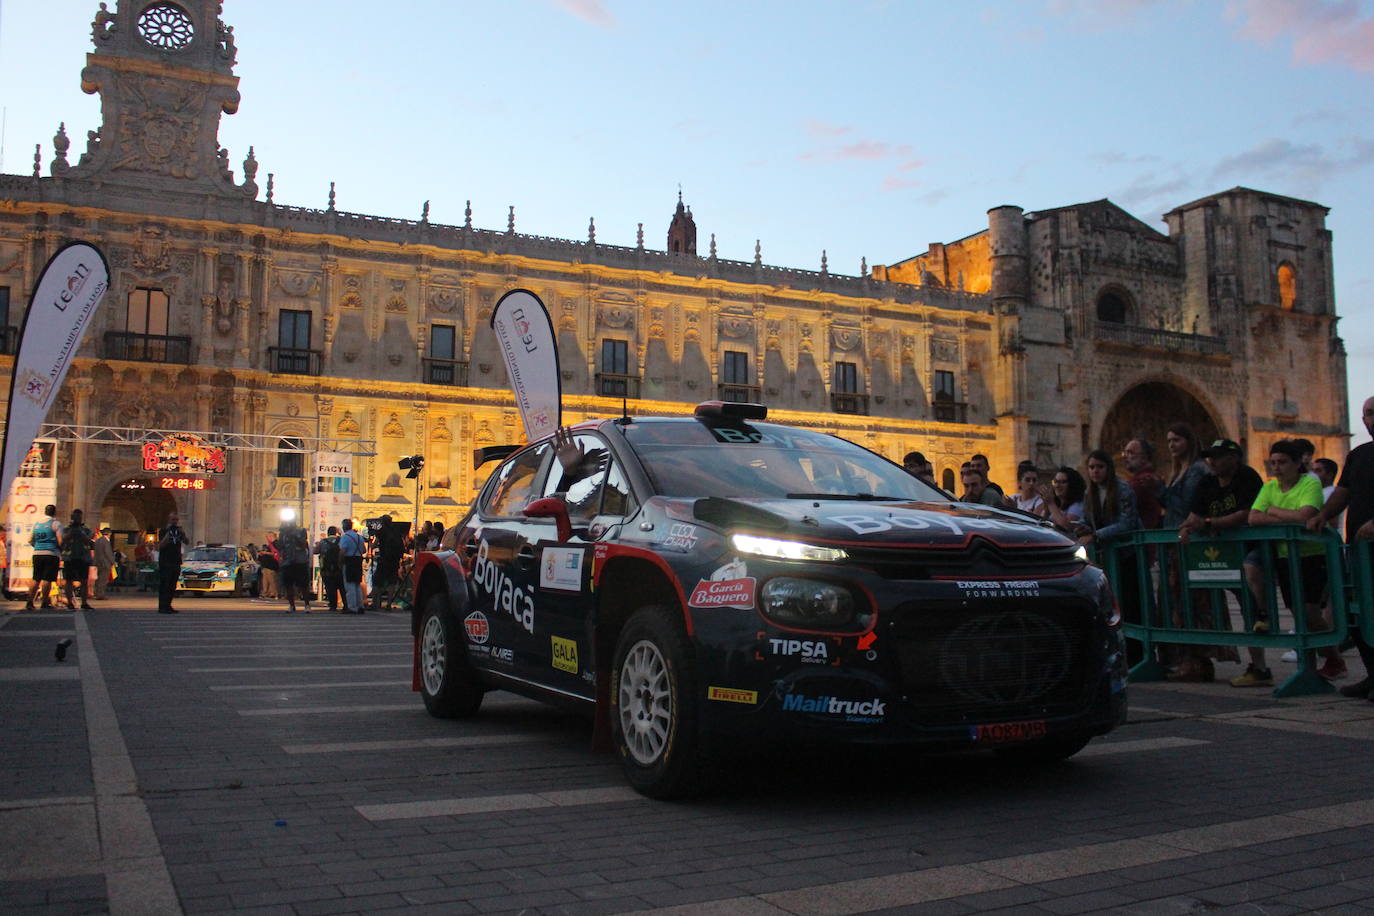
[(448, 682), (654, 715)]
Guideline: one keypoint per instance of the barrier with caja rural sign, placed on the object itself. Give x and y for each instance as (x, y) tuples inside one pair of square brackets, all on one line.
[(1199, 593)]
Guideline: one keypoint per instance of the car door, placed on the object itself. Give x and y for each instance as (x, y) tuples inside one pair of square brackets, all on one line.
[(597, 504), (498, 554)]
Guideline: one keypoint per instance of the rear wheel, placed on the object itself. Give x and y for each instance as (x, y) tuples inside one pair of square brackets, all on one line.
[(448, 682), (655, 707)]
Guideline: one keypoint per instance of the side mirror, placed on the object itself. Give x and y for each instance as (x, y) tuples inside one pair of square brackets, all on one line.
[(551, 507)]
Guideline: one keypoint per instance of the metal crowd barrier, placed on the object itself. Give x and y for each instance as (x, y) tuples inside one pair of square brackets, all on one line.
[(1175, 594)]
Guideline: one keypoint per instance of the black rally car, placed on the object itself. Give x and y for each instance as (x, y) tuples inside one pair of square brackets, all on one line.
[(698, 582)]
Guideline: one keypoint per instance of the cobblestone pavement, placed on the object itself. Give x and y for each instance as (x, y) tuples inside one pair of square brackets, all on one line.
[(235, 758)]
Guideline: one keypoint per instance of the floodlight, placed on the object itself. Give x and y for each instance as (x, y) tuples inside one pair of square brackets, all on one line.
[(412, 465), (288, 515)]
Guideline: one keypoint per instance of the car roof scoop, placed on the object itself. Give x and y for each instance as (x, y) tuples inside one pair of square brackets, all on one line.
[(730, 513)]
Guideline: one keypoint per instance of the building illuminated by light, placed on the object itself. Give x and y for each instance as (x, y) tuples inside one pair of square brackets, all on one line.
[(268, 329)]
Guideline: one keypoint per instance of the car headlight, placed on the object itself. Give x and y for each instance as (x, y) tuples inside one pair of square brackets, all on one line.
[(784, 550), (221, 574), (806, 603), (1082, 554)]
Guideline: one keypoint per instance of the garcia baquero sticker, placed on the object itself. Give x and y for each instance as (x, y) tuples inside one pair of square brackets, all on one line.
[(729, 586)]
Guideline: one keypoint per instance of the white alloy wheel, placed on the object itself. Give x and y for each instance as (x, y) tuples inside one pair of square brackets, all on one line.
[(645, 702), (433, 655)]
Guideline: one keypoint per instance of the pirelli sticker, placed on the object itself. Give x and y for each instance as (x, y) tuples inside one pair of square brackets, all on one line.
[(733, 695)]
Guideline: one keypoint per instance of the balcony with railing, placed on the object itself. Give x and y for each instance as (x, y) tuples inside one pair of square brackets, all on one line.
[(610, 385), (730, 391), (849, 402), (446, 372), (291, 361), (1159, 339), (949, 411), (146, 348)]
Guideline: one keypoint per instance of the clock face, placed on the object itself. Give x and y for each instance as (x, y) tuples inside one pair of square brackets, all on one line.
[(166, 26)]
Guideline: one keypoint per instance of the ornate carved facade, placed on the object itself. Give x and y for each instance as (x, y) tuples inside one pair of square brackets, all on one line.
[(1038, 337)]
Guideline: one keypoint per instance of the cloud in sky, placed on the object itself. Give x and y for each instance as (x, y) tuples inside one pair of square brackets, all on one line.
[(1306, 164), (591, 11), (1337, 32), (825, 129)]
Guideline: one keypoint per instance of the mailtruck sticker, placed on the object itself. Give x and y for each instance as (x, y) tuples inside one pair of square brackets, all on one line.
[(561, 569)]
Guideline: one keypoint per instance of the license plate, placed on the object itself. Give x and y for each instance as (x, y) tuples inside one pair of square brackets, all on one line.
[(1008, 732)]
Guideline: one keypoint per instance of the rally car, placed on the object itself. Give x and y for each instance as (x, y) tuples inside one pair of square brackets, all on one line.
[(698, 582), (218, 569)]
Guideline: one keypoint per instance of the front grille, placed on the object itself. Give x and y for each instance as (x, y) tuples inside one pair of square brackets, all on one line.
[(997, 661), (980, 559), (198, 583)]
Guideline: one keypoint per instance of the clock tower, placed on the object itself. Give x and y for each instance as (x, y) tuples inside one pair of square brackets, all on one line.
[(164, 72)]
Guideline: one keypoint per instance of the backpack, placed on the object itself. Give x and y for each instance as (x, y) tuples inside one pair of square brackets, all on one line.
[(330, 564), (77, 544)]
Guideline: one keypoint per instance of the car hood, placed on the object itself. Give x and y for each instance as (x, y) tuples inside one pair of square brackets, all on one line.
[(934, 524), (206, 564)]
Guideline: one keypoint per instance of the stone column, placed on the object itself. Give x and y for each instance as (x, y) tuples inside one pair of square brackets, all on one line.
[(239, 467), (210, 528), (264, 338), (243, 308), (204, 345)]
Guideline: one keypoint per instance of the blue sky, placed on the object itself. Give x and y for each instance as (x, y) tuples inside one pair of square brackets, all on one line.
[(866, 129)]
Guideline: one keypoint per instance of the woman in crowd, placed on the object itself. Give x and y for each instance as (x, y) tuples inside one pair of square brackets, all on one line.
[(1185, 473), (1064, 501), (1109, 507)]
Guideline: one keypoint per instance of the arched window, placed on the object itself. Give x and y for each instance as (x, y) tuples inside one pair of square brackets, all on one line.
[(1113, 307), (947, 479), (1288, 286)]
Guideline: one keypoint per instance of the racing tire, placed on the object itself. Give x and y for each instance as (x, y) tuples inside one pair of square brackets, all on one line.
[(655, 707), (448, 683), (1045, 751), (239, 590)]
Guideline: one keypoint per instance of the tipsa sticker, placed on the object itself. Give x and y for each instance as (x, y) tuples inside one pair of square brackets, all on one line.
[(478, 627), (733, 695), (564, 654), (561, 569)]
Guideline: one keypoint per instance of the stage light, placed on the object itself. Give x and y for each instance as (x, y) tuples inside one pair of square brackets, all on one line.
[(412, 465)]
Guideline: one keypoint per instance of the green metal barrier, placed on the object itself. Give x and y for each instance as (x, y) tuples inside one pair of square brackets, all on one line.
[(1187, 603), (1360, 610)]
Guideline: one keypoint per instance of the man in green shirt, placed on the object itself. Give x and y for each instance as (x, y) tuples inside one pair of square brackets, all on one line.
[(1290, 498)]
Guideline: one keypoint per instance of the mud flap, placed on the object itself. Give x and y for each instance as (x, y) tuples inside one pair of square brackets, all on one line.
[(415, 665)]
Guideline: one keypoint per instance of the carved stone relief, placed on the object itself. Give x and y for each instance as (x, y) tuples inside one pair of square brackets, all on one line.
[(297, 283), (445, 300), (736, 328), (944, 350), (440, 432), (846, 339), (393, 428), (347, 425), (614, 317)]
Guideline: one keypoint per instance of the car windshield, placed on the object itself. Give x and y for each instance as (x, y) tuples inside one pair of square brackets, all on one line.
[(211, 555), (696, 458)]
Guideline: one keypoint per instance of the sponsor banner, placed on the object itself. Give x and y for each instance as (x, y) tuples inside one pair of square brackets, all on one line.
[(184, 453), (811, 651), (561, 569), (564, 654), (525, 335), (733, 695), (65, 297), (506, 596), (1215, 564), (28, 496), (331, 497)]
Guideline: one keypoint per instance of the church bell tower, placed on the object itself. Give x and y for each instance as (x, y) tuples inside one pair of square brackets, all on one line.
[(164, 72), (682, 231)]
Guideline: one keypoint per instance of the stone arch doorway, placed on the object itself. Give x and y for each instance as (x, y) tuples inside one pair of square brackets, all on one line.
[(133, 507), (1148, 410)]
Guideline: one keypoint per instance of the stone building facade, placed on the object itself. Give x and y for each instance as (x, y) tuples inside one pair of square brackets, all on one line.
[(1041, 336)]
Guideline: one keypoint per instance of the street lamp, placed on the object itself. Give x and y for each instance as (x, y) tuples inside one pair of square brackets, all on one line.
[(288, 515), (412, 465)]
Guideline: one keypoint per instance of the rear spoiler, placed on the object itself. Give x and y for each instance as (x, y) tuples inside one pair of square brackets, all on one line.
[(481, 456)]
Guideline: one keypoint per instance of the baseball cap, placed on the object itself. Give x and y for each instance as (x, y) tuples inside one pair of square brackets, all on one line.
[(1221, 447)]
